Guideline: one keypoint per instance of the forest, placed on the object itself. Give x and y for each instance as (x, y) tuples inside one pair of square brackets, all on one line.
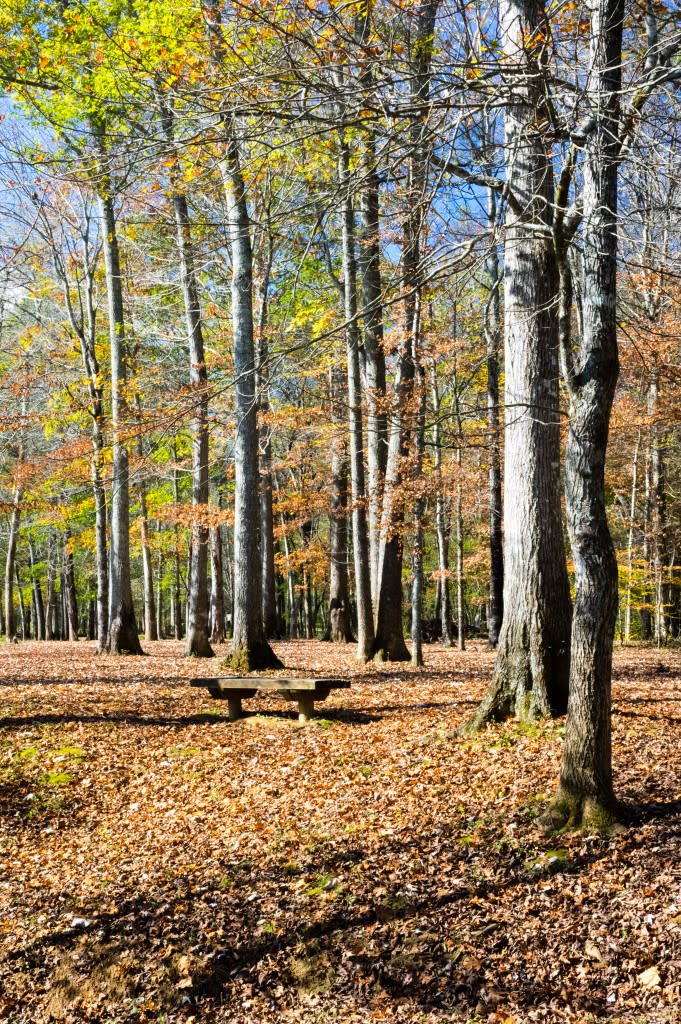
[(340, 355)]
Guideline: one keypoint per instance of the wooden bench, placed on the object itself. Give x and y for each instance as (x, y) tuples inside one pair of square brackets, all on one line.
[(234, 689)]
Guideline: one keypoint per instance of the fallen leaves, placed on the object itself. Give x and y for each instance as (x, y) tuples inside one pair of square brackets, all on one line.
[(649, 979), (369, 865)]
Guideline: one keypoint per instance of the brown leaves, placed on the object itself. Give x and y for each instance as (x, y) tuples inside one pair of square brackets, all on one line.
[(368, 864)]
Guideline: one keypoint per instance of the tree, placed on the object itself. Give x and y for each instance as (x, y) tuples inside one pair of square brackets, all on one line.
[(532, 667)]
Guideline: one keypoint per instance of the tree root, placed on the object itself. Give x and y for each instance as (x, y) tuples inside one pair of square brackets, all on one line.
[(569, 811), (252, 658)]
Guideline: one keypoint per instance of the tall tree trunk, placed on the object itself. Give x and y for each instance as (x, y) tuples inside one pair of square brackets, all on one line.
[(365, 621), (419, 506), (369, 262), (460, 634), (22, 608), (217, 588), (159, 593), (268, 585), (389, 642), (585, 793), (441, 523), (659, 516), (37, 595), (122, 626), (102, 555), (291, 631), (250, 649), (10, 618), (84, 326), (644, 610), (51, 595), (338, 630), (630, 541), (493, 334), (70, 598), (533, 659), (176, 606), (374, 357), (197, 644), (150, 631)]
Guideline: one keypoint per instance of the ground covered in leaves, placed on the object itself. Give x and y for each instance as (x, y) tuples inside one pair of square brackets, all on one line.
[(159, 863)]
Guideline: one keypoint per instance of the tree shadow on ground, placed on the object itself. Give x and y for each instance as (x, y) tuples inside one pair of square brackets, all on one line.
[(391, 943)]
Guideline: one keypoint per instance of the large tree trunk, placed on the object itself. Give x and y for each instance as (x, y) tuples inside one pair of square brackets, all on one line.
[(365, 621), (338, 630), (10, 618), (585, 792), (493, 333), (630, 540), (250, 649), (70, 598), (159, 592), (419, 508), (268, 581), (389, 642), (122, 626), (532, 667), (102, 556), (150, 630), (374, 356), (85, 327), (23, 618), (39, 629), (217, 588), (51, 595), (369, 262), (659, 517), (197, 644), (441, 523), (644, 610)]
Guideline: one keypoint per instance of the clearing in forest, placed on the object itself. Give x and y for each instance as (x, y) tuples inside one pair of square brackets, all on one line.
[(159, 863)]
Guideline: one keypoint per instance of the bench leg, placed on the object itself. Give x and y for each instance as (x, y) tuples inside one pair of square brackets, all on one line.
[(234, 704), (305, 708)]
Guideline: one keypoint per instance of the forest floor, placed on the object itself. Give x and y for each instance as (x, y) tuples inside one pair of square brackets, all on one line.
[(159, 863)]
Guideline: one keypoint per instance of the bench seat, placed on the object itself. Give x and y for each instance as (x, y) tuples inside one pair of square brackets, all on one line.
[(234, 689)]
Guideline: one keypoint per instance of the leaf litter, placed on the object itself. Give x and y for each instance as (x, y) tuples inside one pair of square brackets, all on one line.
[(159, 863)]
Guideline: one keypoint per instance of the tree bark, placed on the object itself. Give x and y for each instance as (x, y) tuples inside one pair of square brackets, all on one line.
[(122, 626), (25, 622), (250, 649), (585, 792), (39, 629), (338, 630), (365, 621), (532, 668), (51, 595), (369, 263), (268, 583), (70, 598), (492, 332), (389, 642), (197, 644), (159, 593), (217, 588), (441, 523), (419, 507), (659, 516), (15, 519), (630, 540)]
